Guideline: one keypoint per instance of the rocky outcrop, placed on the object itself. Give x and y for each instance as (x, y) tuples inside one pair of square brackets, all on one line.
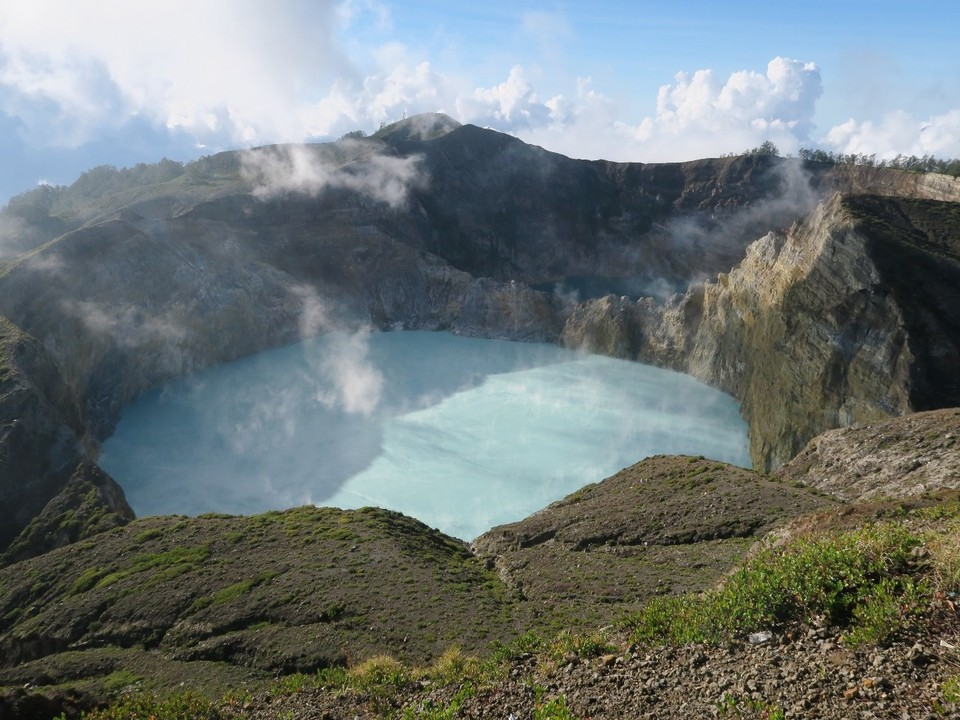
[(888, 182), (40, 435), (90, 503), (49, 496), (429, 224), (850, 316), (896, 458)]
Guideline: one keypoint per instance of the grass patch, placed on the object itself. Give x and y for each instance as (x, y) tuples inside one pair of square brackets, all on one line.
[(888, 607), (857, 577), (566, 644), (232, 592), (170, 564), (146, 535), (553, 709), (140, 706), (736, 706), (88, 579), (119, 680), (951, 689)]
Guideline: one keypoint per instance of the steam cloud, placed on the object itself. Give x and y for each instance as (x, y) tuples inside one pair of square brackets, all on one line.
[(344, 375), (355, 383), (131, 327), (900, 133), (298, 168), (794, 200)]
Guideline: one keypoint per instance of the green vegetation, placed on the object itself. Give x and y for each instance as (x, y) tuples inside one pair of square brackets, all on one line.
[(567, 644), (859, 578), (874, 573), (169, 563), (119, 680), (734, 706), (911, 163), (553, 709), (181, 706), (87, 580), (951, 689), (146, 535)]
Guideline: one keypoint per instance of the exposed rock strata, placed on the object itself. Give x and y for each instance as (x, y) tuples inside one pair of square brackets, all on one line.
[(90, 503), (135, 277), (899, 457), (40, 431), (850, 316)]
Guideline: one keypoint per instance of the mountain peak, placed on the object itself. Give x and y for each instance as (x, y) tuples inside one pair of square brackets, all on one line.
[(425, 126)]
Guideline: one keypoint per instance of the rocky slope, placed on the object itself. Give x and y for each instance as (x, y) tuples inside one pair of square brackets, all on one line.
[(41, 438), (812, 676), (308, 588), (666, 525), (903, 456), (833, 300), (280, 592), (131, 277)]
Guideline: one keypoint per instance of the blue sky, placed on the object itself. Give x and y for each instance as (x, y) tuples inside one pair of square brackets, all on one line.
[(121, 82)]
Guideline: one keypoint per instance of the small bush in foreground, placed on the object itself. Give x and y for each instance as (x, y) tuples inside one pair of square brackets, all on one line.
[(847, 578), (578, 645), (176, 707)]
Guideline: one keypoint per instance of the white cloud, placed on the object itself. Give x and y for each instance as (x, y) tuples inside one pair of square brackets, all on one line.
[(511, 105), (899, 133), (228, 73), (218, 68), (700, 114)]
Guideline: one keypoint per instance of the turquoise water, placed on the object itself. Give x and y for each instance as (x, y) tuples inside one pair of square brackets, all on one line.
[(461, 433)]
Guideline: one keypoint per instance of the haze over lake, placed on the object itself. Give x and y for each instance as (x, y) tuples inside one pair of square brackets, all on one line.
[(461, 433)]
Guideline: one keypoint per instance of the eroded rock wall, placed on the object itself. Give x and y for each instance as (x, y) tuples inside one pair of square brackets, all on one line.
[(818, 328)]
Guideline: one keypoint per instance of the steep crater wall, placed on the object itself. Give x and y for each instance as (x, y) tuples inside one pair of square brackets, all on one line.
[(850, 316)]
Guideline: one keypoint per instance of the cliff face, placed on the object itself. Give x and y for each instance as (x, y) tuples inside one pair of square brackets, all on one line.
[(848, 317), (43, 480)]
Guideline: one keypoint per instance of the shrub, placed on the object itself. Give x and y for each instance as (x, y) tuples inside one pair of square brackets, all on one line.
[(827, 578), (183, 706)]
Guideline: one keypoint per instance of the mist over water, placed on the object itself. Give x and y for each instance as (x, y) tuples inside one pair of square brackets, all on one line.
[(461, 433)]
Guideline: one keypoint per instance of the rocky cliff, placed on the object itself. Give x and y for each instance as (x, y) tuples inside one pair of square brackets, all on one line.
[(131, 277), (849, 316)]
